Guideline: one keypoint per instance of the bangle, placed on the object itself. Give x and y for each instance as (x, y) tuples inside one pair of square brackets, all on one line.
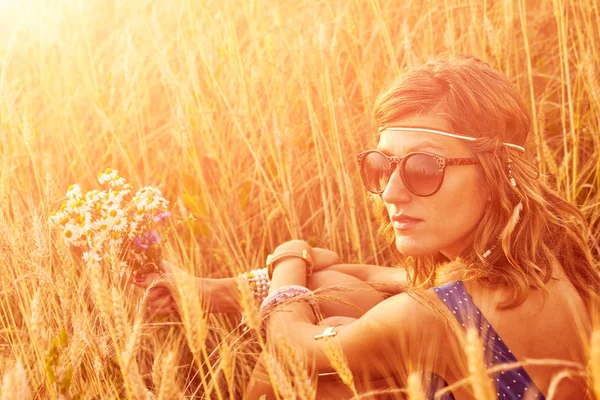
[(259, 282), (281, 295), (327, 333), (303, 254)]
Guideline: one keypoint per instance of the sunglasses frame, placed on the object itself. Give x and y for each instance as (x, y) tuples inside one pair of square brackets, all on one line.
[(394, 162)]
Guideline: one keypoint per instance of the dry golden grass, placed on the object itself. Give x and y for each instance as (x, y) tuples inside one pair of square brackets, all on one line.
[(247, 115)]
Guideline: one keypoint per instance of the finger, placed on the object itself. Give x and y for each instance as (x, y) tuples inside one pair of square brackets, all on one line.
[(162, 302), (134, 291), (145, 280), (324, 258), (161, 311), (167, 267), (157, 292)]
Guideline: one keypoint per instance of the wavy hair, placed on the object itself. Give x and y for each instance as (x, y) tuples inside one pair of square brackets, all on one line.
[(481, 102)]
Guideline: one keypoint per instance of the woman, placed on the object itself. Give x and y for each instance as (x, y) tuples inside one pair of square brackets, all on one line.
[(449, 171), (500, 252)]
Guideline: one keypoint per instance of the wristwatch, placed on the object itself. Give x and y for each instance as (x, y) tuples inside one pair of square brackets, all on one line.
[(303, 254)]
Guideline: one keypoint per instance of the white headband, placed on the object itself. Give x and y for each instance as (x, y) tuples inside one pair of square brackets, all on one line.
[(453, 135)]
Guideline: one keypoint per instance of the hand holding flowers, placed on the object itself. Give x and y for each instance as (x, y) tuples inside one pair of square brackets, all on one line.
[(114, 227)]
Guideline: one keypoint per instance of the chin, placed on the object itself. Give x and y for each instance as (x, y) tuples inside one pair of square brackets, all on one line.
[(413, 249)]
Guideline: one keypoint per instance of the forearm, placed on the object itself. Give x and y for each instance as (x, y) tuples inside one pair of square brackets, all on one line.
[(220, 295), (392, 279)]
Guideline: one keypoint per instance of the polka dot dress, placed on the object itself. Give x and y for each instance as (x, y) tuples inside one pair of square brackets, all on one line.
[(512, 384)]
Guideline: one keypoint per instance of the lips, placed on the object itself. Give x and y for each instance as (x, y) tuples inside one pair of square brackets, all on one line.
[(403, 222)]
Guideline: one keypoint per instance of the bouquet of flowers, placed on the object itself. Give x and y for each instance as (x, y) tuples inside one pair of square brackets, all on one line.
[(114, 223)]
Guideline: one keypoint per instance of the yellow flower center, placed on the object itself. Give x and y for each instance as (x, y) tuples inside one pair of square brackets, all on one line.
[(68, 233), (113, 213)]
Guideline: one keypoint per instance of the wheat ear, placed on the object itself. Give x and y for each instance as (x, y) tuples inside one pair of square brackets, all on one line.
[(595, 362), (414, 387), (338, 361), (15, 384), (482, 385)]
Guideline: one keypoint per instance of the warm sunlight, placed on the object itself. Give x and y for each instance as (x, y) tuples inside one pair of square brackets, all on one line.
[(206, 199)]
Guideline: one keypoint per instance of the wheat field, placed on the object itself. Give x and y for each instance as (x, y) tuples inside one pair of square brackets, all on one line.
[(247, 115)]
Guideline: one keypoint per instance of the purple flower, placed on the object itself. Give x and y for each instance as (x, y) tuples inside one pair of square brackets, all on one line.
[(161, 216), (151, 237), (139, 244)]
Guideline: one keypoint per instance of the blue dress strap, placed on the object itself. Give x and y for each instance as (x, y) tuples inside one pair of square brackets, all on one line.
[(513, 384)]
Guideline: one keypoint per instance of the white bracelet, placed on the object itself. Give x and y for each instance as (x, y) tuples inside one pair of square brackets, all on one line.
[(259, 282)]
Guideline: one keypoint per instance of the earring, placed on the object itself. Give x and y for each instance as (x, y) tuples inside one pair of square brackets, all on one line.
[(510, 175)]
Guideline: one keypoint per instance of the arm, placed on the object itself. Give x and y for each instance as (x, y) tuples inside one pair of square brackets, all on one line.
[(220, 295), (223, 294), (393, 277), (390, 332)]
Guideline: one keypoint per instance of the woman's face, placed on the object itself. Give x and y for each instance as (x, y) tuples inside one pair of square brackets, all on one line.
[(444, 222)]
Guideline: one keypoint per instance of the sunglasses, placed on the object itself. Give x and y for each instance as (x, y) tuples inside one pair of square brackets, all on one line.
[(422, 173)]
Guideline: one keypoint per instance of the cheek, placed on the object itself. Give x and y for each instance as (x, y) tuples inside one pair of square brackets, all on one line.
[(463, 201)]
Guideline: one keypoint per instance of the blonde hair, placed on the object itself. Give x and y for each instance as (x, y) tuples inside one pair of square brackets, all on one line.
[(481, 102)]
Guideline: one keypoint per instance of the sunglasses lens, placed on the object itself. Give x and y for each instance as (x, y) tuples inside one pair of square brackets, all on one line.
[(422, 174), (376, 172)]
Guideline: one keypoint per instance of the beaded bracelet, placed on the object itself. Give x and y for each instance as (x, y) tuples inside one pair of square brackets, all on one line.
[(280, 295), (259, 282)]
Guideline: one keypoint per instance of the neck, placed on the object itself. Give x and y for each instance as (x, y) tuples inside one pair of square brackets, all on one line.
[(449, 272)]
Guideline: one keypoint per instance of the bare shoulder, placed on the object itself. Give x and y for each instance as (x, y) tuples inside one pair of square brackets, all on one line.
[(418, 323), (417, 307)]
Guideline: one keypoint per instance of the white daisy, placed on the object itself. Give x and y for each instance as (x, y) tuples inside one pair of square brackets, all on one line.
[(56, 218), (71, 233), (117, 181), (133, 229), (141, 203), (108, 175), (85, 222), (120, 225), (74, 191), (114, 242), (114, 214), (91, 257), (100, 225)]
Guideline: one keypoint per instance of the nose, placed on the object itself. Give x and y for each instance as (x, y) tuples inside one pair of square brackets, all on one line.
[(396, 191)]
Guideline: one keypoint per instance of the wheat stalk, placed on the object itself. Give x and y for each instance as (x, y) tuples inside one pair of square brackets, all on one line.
[(15, 384), (595, 362), (304, 386), (248, 305), (414, 387), (130, 370), (278, 376), (168, 388), (482, 385), (38, 325), (102, 295), (227, 364), (336, 357), (120, 316)]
